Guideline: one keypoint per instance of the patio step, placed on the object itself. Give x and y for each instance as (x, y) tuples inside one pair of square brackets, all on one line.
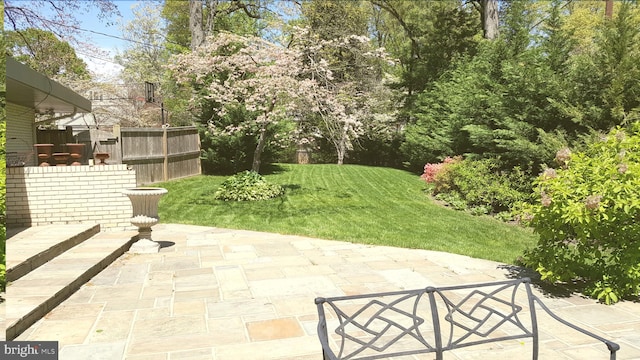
[(35, 246), (34, 294)]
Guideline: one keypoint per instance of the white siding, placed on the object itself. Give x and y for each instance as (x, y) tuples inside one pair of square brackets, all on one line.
[(21, 132)]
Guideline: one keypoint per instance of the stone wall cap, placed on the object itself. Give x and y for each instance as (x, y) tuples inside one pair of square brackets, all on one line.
[(145, 191)]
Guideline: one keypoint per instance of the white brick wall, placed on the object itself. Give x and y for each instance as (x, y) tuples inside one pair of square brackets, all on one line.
[(70, 194)]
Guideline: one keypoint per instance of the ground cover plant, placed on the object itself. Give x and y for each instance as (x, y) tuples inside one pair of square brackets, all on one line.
[(247, 186), (371, 205)]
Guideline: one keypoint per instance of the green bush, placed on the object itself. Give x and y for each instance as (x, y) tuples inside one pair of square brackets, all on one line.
[(3, 192), (481, 186), (588, 218), (247, 186)]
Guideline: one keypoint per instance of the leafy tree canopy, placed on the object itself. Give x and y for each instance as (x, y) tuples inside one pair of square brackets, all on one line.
[(46, 54)]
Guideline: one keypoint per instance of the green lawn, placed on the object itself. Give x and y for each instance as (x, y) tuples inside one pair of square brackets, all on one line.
[(360, 204)]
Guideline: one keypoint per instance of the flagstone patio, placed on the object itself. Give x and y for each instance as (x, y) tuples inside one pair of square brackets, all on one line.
[(232, 294)]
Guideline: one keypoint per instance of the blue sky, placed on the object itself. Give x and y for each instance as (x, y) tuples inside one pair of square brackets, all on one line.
[(90, 22), (105, 70)]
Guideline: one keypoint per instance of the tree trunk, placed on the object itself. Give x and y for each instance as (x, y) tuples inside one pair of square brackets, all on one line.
[(489, 10), (341, 149), (195, 23), (608, 10), (262, 139)]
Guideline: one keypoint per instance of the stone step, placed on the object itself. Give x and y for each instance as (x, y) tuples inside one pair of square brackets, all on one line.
[(33, 295), (35, 246)]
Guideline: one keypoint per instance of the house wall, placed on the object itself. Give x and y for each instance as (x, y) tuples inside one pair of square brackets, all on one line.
[(20, 133), (68, 195)]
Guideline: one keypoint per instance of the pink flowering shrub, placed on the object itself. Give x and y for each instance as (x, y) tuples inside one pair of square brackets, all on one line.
[(588, 218), (475, 185), (431, 171)]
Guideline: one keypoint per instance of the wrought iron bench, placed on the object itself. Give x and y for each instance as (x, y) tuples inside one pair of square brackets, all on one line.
[(433, 320)]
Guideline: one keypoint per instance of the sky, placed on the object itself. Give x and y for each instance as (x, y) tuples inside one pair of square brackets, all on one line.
[(103, 34), (106, 37), (105, 70)]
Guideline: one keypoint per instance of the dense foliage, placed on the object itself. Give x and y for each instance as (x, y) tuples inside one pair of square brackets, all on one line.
[(3, 178), (525, 95), (588, 217), (46, 54), (476, 185), (247, 186)]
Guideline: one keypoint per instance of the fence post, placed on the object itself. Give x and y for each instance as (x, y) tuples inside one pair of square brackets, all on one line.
[(165, 154), (117, 151), (68, 134)]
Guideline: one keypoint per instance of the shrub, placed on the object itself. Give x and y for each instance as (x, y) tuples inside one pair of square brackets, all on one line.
[(3, 207), (436, 174), (588, 218), (477, 183), (247, 186), (482, 185)]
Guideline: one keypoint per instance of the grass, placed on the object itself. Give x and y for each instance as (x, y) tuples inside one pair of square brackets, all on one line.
[(352, 203)]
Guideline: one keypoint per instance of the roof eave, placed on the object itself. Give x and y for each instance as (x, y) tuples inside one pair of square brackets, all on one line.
[(29, 88)]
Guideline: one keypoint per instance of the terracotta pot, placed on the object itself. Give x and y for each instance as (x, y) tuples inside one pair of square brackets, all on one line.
[(61, 158), (76, 152), (44, 151), (102, 156)]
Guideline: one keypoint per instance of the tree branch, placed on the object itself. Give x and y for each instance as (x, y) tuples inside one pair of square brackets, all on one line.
[(383, 4), (245, 8)]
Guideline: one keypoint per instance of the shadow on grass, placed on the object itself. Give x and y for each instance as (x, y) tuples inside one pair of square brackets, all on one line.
[(207, 198), (272, 169), (293, 188), (265, 169), (278, 208)]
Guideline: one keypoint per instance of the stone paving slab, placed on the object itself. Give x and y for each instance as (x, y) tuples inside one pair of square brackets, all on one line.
[(39, 291), (30, 248), (231, 294)]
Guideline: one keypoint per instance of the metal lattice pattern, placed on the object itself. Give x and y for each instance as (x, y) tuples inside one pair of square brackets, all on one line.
[(387, 332), (478, 314), (394, 324)]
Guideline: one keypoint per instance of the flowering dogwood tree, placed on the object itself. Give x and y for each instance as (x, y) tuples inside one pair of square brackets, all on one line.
[(230, 71), (351, 69), (272, 82)]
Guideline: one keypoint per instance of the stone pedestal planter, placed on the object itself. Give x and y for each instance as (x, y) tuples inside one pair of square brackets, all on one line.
[(145, 215)]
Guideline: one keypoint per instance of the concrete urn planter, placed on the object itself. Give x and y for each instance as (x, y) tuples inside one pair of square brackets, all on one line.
[(145, 214)]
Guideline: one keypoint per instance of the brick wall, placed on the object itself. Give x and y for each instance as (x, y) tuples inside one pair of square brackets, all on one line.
[(70, 194)]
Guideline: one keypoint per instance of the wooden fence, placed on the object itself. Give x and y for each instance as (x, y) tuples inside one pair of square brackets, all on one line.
[(156, 154), (56, 137), (161, 154)]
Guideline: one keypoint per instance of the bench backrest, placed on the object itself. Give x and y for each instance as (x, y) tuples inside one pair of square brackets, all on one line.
[(392, 324)]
